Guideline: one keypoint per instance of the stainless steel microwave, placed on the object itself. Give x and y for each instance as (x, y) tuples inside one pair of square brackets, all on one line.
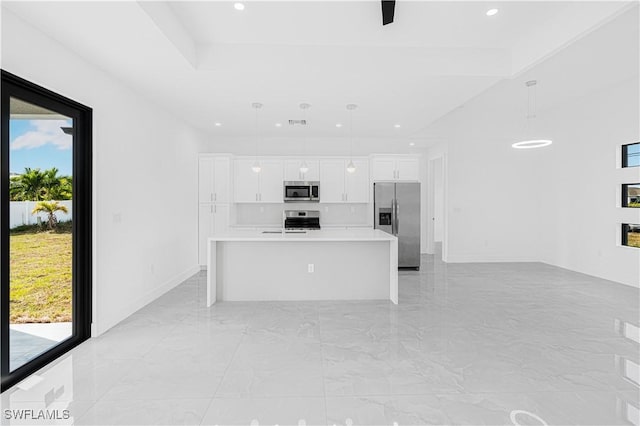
[(301, 191)]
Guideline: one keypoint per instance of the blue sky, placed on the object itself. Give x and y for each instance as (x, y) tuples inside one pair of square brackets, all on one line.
[(40, 144)]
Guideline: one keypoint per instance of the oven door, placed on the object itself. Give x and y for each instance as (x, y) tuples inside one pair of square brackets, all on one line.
[(297, 193)]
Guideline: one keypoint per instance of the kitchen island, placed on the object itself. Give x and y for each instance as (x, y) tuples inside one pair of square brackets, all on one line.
[(347, 264)]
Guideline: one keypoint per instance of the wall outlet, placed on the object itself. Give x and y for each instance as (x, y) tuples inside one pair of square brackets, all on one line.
[(326, 209), (353, 210), (261, 209), (311, 268)]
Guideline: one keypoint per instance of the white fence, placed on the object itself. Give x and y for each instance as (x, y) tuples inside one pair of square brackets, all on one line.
[(20, 213)]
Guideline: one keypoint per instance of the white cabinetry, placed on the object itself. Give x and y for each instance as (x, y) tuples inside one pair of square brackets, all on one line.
[(214, 189), (292, 170), (212, 219), (213, 179), (395, 168), (339, 186), (252, 187)]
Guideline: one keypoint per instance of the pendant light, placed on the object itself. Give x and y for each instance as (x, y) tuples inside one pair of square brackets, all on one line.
[(304, 168), (531, 142), (351, 167), (256, 164)]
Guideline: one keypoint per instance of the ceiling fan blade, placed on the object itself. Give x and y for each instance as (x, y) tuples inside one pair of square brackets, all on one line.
[(388, 9)]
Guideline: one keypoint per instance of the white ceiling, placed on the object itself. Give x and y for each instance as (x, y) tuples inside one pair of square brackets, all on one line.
[(207, 62)]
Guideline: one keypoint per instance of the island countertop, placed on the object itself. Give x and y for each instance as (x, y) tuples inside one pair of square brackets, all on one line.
[(365, 234), (325, 264)]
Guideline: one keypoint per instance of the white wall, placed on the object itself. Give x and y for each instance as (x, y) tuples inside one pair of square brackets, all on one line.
[(145, 173), (556, 204)]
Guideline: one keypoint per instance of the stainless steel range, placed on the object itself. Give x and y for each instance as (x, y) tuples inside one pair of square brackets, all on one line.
[(301, 219)]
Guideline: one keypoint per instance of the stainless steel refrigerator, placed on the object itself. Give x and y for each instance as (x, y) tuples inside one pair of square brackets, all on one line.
[(397, 211)]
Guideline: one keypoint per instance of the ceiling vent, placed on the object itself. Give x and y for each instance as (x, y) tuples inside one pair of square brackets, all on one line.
[(297, 122)]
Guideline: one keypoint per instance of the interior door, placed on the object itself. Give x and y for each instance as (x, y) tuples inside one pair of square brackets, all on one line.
[(408, 224), (45, 297)]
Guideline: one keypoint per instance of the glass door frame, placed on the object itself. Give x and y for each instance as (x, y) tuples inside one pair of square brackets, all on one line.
[(13, 86)]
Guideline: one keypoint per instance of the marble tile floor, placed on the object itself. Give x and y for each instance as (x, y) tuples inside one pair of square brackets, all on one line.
[(502, 343)]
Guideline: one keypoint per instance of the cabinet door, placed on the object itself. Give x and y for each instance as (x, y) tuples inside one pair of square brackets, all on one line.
[(357, 183), (246, 182), (408, 169), (332, 181), (205, 179), (314, 171), (220, 218), (205, 230), (221, 180), (383, 169), (292, 170), (271, 179)]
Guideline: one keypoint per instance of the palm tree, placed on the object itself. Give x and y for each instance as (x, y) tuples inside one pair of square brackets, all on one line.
[(35, 185), (56, 187), (50, 207), (29, 186)]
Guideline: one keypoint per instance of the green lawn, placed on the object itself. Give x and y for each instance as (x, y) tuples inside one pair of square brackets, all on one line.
[(40, 271)]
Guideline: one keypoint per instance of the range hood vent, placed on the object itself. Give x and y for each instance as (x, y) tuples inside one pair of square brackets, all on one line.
[(298, 122)]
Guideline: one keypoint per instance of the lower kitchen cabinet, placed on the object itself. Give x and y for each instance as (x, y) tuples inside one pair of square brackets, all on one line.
[(212, 219)]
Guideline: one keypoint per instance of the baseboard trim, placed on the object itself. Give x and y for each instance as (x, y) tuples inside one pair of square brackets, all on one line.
[(474, 258), (143, 301)]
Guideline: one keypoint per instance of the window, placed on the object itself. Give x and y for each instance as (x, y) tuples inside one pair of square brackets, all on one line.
[(631, 195), (45, 227), (631, 234), (631, 155)]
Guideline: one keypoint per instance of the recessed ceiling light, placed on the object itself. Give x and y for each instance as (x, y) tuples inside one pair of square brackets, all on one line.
[(218, 124), (537, 143), (278, 124), (492, 12), (412, 144), (238, 6), (397, 126), (339, 125)]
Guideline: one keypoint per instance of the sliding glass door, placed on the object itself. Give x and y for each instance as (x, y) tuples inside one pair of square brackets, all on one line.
[(45, 303)]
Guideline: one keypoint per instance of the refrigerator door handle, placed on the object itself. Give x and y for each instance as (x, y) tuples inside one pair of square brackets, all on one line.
[(397, 219), (393, 217)]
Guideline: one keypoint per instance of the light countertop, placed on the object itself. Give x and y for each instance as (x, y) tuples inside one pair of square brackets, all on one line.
[(364, 234)]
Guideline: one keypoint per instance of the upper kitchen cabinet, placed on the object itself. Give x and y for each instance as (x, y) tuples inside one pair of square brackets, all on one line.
[(395, 168), (271, 181), (264, 186), (357, 184), (292, 170), (213, 179), (337, 185)]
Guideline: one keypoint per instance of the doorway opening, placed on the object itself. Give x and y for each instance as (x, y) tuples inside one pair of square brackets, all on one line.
[(436, 208), (45, 292)]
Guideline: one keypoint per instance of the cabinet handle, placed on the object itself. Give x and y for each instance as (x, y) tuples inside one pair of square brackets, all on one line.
[(215, 196), (210, 197), (215, 209), (346, 197), (210, 209)]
